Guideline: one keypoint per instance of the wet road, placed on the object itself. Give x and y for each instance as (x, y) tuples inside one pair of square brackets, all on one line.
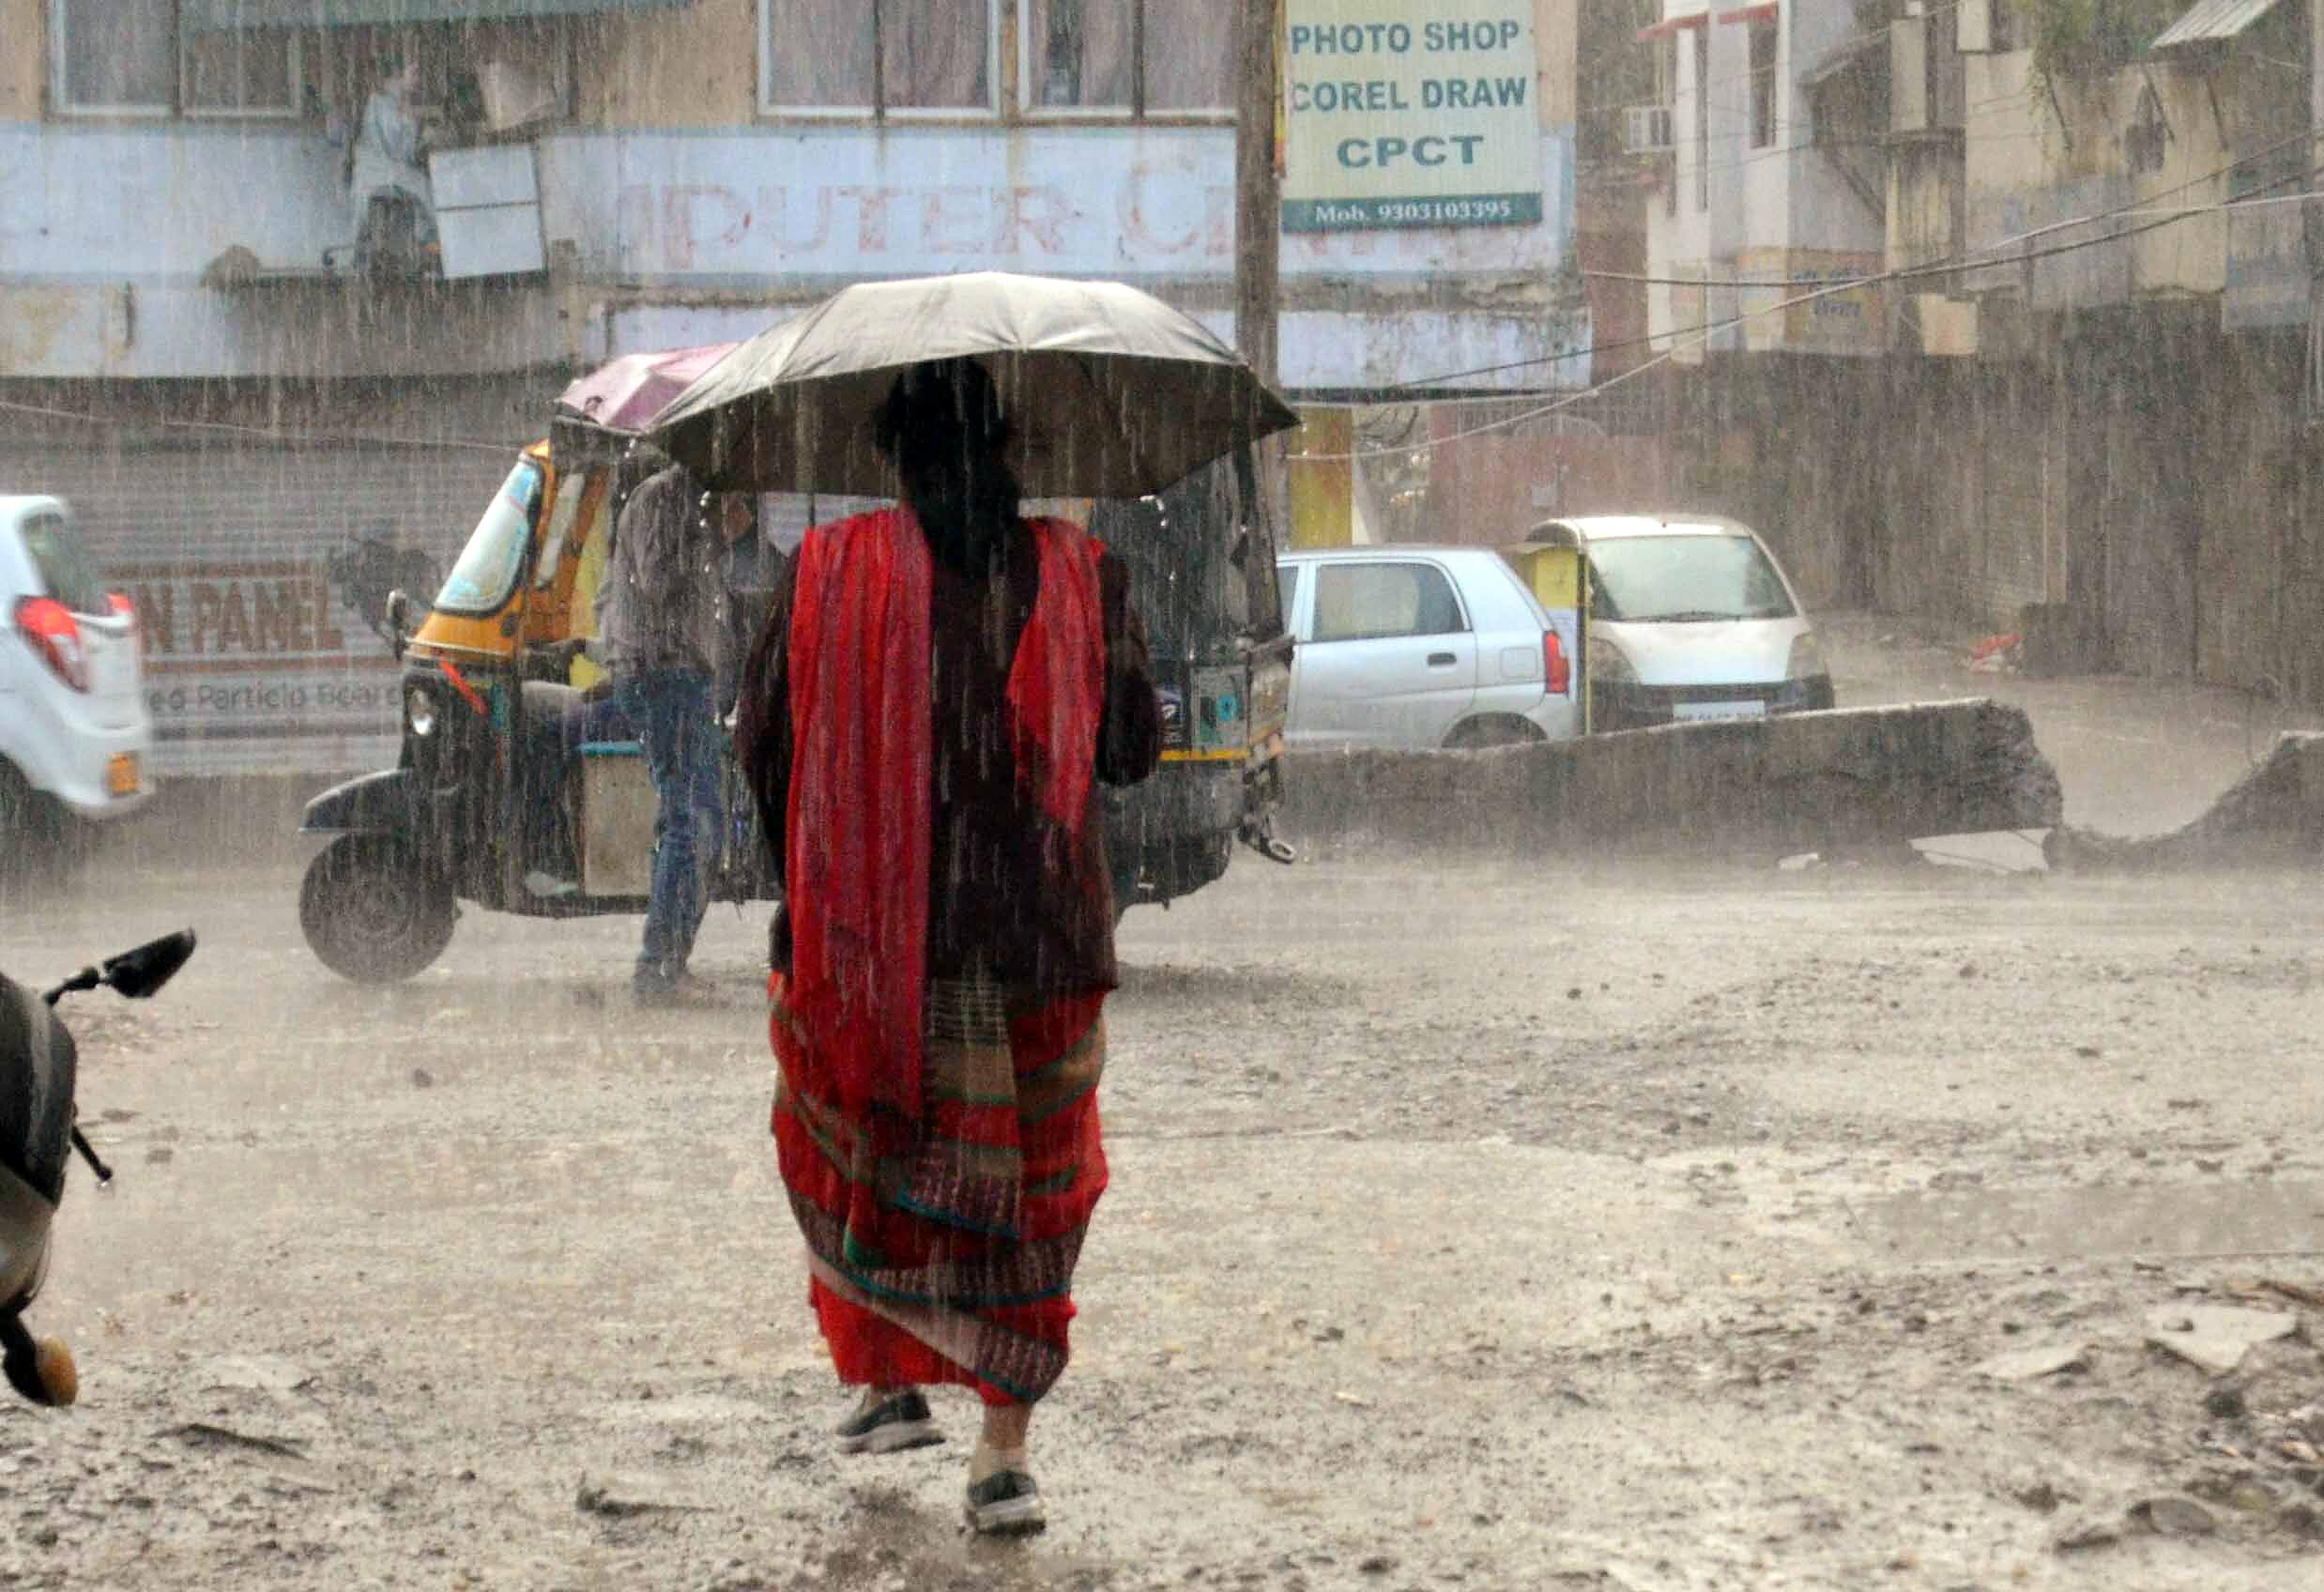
[(1512, 1227), (1521, 1226)]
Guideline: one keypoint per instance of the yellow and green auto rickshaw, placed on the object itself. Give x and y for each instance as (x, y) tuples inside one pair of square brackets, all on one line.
[(498, 654), (1202, 575)]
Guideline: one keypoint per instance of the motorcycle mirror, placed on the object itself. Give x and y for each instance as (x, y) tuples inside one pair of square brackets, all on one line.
[(399, 619), (140, 973)]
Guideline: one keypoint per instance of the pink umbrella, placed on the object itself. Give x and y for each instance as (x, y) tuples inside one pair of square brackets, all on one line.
[(626, 394)]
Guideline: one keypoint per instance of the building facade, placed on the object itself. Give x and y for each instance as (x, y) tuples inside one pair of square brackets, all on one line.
[(195, 357), (681, 170), (1745, 190), (2088, 243)]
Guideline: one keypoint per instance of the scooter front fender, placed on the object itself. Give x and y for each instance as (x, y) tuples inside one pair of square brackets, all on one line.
[(373, 803), (25, 1218)]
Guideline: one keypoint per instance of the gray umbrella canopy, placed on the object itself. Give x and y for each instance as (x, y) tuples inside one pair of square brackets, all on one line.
[(1109, 391)]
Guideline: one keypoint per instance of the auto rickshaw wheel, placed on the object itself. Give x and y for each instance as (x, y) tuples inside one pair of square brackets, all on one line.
[(372, 912)]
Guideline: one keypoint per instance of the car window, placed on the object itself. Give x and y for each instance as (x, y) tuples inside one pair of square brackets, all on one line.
[(1286, 584), (1673, 579), (1368, 601), (64, 565)]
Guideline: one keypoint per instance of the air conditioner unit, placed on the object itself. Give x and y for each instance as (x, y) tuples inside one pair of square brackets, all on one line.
[(1652, 129)]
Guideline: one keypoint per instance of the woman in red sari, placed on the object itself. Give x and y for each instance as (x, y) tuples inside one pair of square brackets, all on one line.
[(937, 693)]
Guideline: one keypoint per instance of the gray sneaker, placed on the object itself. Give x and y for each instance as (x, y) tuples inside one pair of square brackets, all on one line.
[(889, 1426), (1006, 1503)]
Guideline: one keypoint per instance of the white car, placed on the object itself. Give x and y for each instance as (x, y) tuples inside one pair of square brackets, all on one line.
[(1422, 648), (74, 731), (1691, 617)]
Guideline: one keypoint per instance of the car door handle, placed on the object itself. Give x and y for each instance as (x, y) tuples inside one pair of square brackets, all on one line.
[(1443, 660)]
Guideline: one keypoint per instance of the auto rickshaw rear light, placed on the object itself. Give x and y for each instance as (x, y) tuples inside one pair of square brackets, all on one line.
[(47, 626), (1554, 663)]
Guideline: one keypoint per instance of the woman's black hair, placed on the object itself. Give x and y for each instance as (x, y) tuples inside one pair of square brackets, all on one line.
[(942, 403), (949, 411)]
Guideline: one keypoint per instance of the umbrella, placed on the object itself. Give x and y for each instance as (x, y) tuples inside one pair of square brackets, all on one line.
[(1110, 392), (623, 397)]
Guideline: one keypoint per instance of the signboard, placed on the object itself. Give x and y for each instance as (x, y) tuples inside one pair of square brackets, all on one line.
[(260, 577), (261, 666), (1852, 320), (1403, 113)]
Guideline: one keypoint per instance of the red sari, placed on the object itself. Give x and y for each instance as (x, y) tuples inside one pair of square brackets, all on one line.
[(938, 1138)]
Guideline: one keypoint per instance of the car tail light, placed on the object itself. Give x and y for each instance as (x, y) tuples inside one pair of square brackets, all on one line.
[(128, 610), (55, 636), (1554, 663)]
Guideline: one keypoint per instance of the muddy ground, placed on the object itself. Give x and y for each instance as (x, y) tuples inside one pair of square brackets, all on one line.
[(1535, 1225)]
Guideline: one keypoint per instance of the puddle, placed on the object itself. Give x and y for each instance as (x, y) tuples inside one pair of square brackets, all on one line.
[(2097, 1221)]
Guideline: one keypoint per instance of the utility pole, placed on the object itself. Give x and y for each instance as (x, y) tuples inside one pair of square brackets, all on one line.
[(1259, 204), (2312, 224)]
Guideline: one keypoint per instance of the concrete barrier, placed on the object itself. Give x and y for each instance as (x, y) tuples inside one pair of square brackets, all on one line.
[(1853, 777), (2274, 815)]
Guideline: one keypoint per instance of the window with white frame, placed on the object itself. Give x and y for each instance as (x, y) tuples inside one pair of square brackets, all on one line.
[(132, 57), (1128, 58), (877, 58)]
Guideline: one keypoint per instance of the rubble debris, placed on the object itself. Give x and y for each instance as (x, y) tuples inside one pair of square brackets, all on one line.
[(2085, 1535), (2027, 1365), (1996, 654), (2216, 1338), (2043, 1498), (282, 1459), (625, 1498), (2250, 1497), (202, 1434), (2173, 1516), (263, 1373)]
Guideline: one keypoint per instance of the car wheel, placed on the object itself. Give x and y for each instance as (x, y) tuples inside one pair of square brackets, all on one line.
[(1476, 735), (372, 911), (35, 848)]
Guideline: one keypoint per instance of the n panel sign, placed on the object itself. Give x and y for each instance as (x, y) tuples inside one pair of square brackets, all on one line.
[(1410, 113)]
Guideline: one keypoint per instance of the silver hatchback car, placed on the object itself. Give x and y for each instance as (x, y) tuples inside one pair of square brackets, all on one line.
[(74, 727), (1421, 647)]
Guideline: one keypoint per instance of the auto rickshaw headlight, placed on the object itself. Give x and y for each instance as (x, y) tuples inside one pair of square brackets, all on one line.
[(420, 711)]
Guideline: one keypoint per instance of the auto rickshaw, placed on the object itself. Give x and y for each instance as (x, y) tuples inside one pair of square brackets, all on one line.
[(497, 654), (1201, 563)]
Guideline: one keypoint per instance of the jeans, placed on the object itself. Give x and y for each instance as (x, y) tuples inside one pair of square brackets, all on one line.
[(670, 710)]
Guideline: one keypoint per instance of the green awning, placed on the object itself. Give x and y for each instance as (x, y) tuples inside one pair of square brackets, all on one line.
[(222, 16)]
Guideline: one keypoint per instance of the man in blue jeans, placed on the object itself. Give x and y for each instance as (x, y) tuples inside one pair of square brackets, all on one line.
[(660, 623)]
